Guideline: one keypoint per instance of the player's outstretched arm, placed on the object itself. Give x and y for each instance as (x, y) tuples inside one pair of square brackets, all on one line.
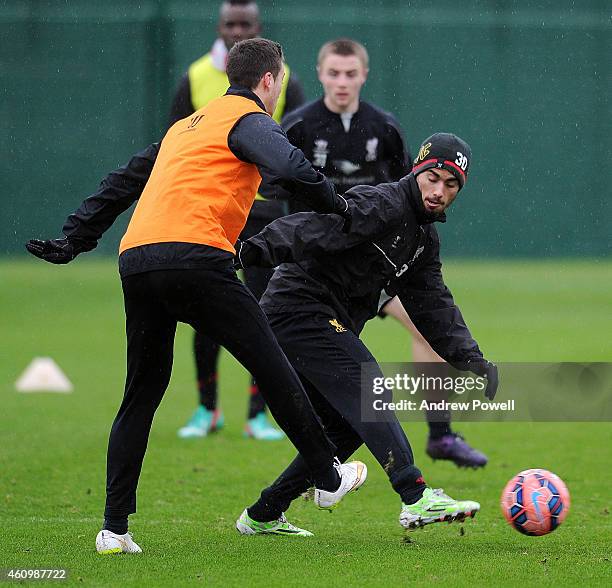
[(432, 308), (481, 367), (59, 251), (373, 210), (84, 227), (292, 238)]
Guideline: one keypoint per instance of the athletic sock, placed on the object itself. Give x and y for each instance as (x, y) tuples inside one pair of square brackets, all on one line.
[(206, 353), (438, 429), (414, 494), (408, 482), (257, 404), (330, 481), (262, 512), (118, 525), (208, 392)]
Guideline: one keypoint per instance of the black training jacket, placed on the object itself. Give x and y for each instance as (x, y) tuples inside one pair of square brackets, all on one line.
[(256, 138), (372, 151), (340, 267)]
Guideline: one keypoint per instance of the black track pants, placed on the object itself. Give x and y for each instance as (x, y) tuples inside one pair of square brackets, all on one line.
[(216, 301), (206, 349), (328, 359)]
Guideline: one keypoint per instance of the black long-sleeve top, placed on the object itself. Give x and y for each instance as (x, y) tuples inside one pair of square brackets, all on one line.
[(340, 267), (370, 151)]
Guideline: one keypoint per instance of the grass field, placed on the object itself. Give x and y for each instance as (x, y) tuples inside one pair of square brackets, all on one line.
[(52, 449)]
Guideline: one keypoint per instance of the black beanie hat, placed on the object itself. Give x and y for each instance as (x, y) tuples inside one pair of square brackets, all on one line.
[(446, 151)]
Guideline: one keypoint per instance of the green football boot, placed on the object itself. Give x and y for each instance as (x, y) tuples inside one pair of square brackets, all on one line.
[(247, 526), (436, 507)]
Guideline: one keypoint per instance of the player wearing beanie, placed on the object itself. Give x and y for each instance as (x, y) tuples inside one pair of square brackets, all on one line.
[(444, 151), (354, 142), (332, 271)]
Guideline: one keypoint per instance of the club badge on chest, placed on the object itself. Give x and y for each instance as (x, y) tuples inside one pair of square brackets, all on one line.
[(320, 153), (371, 149)]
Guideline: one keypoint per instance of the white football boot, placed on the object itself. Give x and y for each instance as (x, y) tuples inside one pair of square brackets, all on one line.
[(108, 543), (352, 475)]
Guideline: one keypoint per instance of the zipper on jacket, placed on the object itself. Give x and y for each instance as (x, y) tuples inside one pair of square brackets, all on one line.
[(385, 255)]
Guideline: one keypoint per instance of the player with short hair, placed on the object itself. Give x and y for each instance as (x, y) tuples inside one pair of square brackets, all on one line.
[(205, 80), (194, 192), (354, 142), (330, 276)]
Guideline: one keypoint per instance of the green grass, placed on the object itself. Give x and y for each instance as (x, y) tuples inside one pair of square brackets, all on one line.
[(52, 449)]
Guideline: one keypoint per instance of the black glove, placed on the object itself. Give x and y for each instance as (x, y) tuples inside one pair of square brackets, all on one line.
[(245, 256), (58, 250), (482, 367)]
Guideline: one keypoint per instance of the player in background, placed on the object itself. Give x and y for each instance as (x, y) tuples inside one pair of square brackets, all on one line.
[(205, 80), (330, 274), (194, 192), (354, 142)]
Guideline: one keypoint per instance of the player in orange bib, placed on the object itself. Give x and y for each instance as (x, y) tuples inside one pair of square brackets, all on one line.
[(194, 193)]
